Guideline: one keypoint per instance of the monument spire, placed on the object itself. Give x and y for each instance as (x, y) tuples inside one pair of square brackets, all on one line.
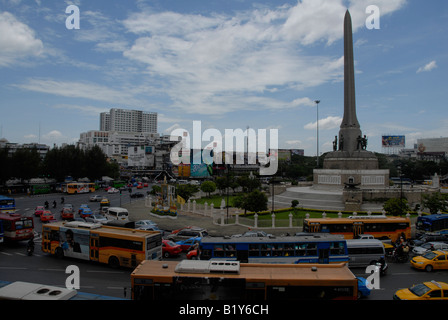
[(350, 128)]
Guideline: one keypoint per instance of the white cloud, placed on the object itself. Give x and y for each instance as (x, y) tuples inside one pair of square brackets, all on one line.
[(90, 110), (325, 124), (74, 89), (428, 67), (219, 64), (17, 40)]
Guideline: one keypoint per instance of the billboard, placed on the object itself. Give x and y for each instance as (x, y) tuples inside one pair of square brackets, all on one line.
[(140, 156), (200, 170), (393, 142)]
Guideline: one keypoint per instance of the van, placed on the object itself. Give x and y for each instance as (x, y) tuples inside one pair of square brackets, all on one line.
[(364, 252), (116, 213)]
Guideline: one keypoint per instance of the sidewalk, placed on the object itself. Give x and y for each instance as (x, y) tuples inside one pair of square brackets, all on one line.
[(138, 211)]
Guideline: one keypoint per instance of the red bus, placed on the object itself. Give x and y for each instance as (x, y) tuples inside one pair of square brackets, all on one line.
[(16, 227)]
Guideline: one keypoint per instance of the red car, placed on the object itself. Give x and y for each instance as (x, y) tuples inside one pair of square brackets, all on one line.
[(192, 254), (67, 213), (38, 211), (46, 216), (170, 248)]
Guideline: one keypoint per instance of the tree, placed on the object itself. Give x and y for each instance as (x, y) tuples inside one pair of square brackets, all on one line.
[(208, 187), (435, 202), (186, 190), (222, 183), (255, 201), (396, 206)]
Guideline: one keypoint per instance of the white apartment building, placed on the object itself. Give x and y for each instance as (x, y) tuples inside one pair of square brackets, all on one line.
[(116, 144), (433, 145), (124, 120)]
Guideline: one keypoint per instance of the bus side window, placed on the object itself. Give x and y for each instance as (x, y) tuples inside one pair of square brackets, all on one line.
[(218, 251), (311, 249), (254, 250), (300, 249)]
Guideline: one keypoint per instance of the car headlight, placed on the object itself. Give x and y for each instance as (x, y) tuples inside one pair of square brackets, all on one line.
[(418, 262)]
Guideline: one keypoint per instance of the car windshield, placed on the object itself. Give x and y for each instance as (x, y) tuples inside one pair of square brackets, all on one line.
[(426, 245), (429, 255), (171, 243), (419, 289)]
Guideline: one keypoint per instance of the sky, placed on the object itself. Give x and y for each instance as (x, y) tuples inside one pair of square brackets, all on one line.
[(228, 64)]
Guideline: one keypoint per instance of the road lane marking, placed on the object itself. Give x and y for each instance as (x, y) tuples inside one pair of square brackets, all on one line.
[(48, 269), (103, 271)]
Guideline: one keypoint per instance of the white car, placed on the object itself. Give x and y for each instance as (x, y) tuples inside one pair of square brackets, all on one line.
[(113, 190), (429, 246), (97, 218), (143, 223)]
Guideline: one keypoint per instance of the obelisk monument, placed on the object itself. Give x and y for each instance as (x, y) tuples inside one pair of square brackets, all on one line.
[(350, 163), (350, 129)]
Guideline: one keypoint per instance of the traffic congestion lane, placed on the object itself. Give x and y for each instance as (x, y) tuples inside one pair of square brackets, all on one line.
[(14, 264)]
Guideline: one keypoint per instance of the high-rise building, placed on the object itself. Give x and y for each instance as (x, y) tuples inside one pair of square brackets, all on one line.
[(124, 120)]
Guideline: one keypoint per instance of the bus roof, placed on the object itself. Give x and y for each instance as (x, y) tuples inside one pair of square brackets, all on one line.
[(365, 219), (101, 229), (12, 216), (270, 274), (310, 238), (433, 217), (32, 291), (364, 242)]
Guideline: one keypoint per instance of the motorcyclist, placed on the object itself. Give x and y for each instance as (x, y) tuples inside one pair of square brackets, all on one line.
[(46, 204), (54, 204), (30, 247)]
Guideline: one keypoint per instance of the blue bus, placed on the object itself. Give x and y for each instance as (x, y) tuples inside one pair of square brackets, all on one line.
[(7, 204), (322, 249), (434, 223)]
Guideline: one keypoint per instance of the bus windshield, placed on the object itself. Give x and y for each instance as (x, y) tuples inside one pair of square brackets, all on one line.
[(21, 224)]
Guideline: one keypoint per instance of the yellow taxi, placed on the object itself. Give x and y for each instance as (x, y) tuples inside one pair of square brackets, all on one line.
[(104, 202), (431, 260), (431, 290)]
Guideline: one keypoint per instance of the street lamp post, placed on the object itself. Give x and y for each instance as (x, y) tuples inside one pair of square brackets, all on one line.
[(317, 126), (401, 190)]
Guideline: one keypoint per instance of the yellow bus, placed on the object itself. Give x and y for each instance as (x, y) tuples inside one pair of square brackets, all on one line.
[(380, 227), (105, 244), (79, 187), (223, 280)]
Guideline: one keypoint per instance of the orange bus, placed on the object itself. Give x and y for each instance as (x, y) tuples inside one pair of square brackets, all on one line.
[(380, 227), (105, 244), (79, 187), (223, 280)]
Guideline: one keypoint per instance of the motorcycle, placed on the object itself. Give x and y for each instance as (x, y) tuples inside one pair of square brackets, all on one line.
[(382, 265)]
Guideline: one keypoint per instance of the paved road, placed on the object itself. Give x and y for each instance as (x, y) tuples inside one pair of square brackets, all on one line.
[(100, 279)]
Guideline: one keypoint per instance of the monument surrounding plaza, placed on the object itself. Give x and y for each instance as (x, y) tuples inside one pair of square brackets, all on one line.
[(350, 166)]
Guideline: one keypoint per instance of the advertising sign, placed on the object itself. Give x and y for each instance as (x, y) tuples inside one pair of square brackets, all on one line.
[(393, 141)]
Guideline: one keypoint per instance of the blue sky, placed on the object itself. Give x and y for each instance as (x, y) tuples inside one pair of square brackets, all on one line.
[(229, 64)]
